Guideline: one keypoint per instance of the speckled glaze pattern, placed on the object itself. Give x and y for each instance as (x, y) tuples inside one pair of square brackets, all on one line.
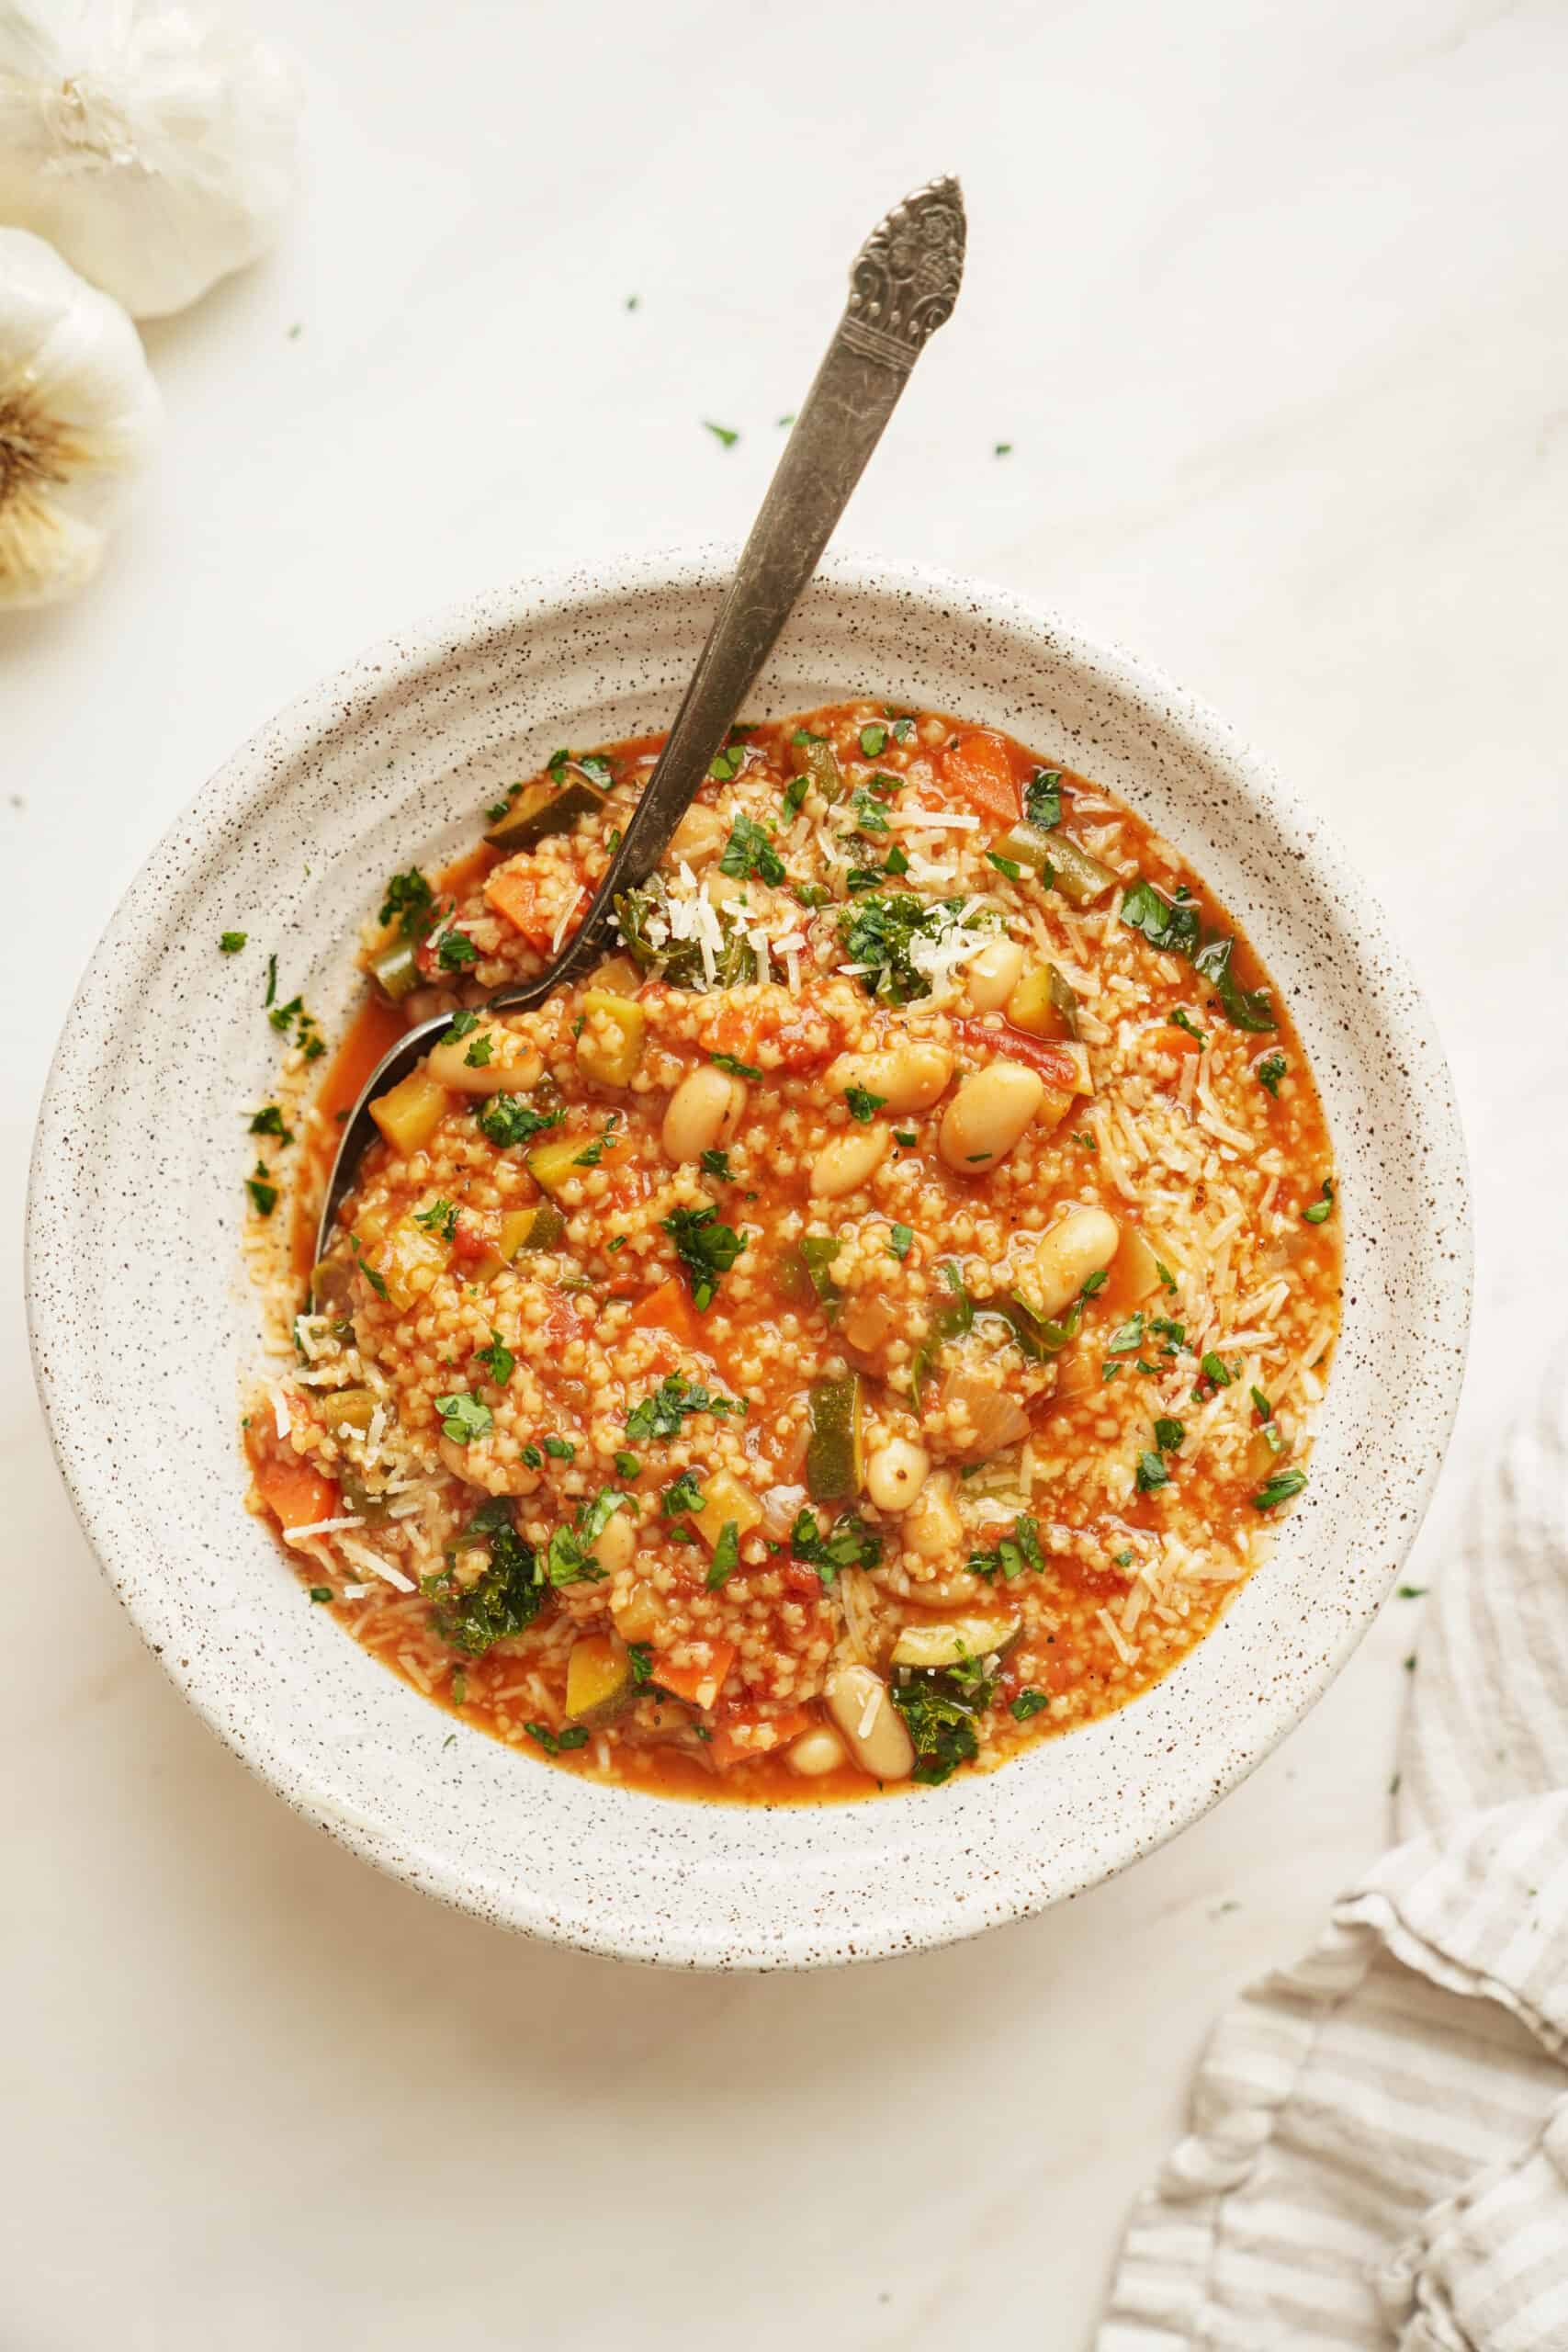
[(142, 1317)]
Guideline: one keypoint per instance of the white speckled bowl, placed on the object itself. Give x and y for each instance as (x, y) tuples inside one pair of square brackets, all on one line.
[(140, 1323)]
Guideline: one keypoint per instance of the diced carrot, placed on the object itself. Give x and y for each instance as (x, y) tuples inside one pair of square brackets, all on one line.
[(669, 1309), (762, 1734), (698, 1685), (520, 897), (978, 769), (296, 1495)]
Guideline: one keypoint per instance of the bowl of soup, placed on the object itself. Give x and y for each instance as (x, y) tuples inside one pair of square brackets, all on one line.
[(853, 1420)]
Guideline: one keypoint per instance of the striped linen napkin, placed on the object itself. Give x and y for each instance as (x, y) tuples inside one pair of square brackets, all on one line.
[(1379, 2144)]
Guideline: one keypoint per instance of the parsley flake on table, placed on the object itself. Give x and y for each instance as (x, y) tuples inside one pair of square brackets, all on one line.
[(231, 941), (725, 434)]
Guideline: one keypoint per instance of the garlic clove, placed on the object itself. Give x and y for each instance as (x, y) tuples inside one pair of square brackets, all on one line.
[(79, 413), (154, 145)]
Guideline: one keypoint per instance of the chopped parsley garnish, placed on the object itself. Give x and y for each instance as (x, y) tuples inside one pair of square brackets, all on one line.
[(1082, 1137), (270, 1122), (560, 1449), (1012, 1554), (899, 1240), (849, 1544), (377, 1282), (462, 1025), (662, 1413), (726, 1555), (705, 1248), (862, 1105), (733, 1068), (557, 1743), (1027, 1703), (939, 1713), (1319, 1210), (533, 1457), (725, 436), (464, 1419), (569, 1555), (1279, 1490), (410, 901), (873, 741), (271, 979), (907, 1136), (231, 941), (640, 1657), (457, 951), (1168, 923), (749, 851), (881, 932), (508, 1596), (480, 1051), (903, 728), (895, 863), (726, 765), (1167, 1280), (1271, 1071), (1126, 1336), (506, 1119), (440, 1218), (1214, 1371), (1183, 1019), (1152, 1474), (1042, 798), (1168, 1434), (263, 1195), (1265, 1410), (1008, 865), (796, 791), (321, 1592), (870, 815), (628, 1465), (497, 1359), (684, 1497), (593, 1153), (715, 1163)]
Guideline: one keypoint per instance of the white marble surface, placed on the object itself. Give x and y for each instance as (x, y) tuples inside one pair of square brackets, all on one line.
[(1269, 303)]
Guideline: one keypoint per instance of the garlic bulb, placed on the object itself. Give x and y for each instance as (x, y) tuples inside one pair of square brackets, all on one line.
[(78, 412), (152, 144)]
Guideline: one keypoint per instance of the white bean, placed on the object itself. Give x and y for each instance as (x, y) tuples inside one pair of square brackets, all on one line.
[(934, 1528), (511, 1066), (896, 1473), (1083, 1243), (704, 1108), (988, 1115), (991, 976), (847, 1161), (859, 1703), (816, 1752), (904, 1077)]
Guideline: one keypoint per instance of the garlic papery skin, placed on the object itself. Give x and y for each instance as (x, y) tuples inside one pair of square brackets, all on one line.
[(79, 413), (154, 146)]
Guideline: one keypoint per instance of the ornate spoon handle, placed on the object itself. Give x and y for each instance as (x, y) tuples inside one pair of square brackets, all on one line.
[(903, 286)]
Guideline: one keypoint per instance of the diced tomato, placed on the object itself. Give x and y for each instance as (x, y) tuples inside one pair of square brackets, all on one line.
[(699, 1685), (470, 1241), (296, 1495), (1056, 1063), (561, 1321), (802, 1580), (522, 897), (743, 1732), (977, 767)]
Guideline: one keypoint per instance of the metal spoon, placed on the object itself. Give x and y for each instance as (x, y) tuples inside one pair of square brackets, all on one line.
[(903, 284)]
